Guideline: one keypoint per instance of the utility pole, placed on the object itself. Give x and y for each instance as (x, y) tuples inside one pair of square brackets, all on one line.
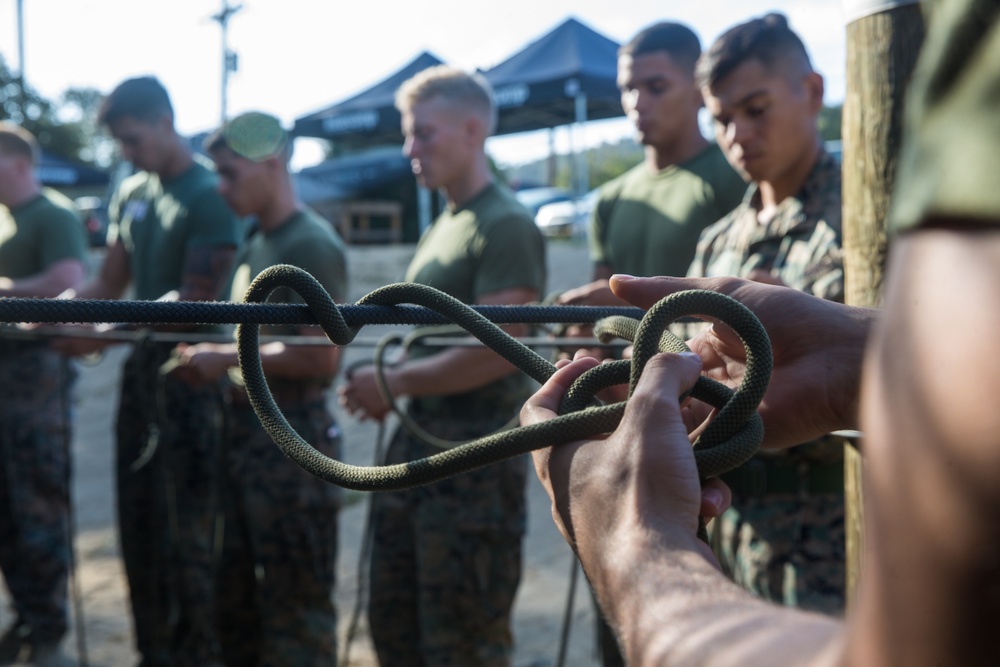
[(883, 41), (229, 58), (22, 93)]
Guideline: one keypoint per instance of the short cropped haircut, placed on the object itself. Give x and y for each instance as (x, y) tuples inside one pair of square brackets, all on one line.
[(767, 39), (143, 98), (453, 85), (675, 39), (15, 140)]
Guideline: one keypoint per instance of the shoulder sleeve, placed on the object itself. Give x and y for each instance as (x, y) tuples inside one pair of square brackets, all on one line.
[(512, 255), (327, 264), (950, 161), (64, 237), (211, 222), (598, 237), (706, 247)]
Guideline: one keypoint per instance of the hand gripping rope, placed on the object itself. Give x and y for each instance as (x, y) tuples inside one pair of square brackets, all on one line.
[(732, 437)]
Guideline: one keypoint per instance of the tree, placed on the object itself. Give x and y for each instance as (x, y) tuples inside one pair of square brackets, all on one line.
[(829, 122), (80, 106), (74, 137)]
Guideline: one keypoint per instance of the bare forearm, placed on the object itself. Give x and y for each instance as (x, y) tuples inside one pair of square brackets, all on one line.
[(290, 362), (454, 371), (672, 606), (299, 362), (60, 277)]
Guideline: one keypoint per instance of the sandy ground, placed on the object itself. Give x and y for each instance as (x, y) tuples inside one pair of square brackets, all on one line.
[(100, 582)]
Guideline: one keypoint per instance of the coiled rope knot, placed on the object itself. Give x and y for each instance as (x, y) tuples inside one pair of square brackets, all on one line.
[(732, 437)]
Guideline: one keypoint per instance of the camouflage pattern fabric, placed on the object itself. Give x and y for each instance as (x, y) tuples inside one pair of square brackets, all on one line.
[(801, 244), (465, 534), (34, 485), (771, 547), (167, 465), (789, 550), (278, 565)]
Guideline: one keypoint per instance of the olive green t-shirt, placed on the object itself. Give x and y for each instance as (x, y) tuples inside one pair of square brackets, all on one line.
[(158, 221), (307, 241), (39, 233), (950, 161), (488, 245), (647, 224)]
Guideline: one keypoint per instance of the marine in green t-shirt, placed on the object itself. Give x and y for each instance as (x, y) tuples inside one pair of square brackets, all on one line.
[(158, 221), (279, 519), (489, 245), (42, 254), (39, 233), (485, 249), (171, 236), (305, 240), (647, 221)]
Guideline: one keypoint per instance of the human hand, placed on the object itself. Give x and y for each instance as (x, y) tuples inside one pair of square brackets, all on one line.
[(360, 397), (204, 362), (596, 293), (641, 477), (818, 348)]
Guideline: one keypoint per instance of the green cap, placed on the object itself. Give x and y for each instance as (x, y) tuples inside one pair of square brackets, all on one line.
[(256, 136)]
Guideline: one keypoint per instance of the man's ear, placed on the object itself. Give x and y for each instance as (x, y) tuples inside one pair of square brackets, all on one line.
[(165, 123), (814, 87), (474, 129), (274, 165)]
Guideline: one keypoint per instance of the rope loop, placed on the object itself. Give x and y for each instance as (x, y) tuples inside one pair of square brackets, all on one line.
[(731, 438)]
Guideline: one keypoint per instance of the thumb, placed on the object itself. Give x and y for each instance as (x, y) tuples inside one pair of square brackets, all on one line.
[(653, 420), (667, 376), (653, 413)]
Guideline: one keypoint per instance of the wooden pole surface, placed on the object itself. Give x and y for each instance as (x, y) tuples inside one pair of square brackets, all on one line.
[(882, 50)]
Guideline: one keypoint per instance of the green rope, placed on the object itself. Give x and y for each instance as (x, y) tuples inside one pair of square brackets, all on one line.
[(732, 437)]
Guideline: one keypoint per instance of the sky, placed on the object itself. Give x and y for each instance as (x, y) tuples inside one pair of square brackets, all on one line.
[(298, 56)]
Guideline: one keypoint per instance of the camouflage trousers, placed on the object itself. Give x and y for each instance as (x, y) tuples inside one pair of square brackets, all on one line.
[(35, 549), (785, 549), (168, 461), (446, 558), (278, 565)]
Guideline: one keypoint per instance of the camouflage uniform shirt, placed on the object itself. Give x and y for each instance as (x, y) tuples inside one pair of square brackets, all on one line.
[(800, 244)]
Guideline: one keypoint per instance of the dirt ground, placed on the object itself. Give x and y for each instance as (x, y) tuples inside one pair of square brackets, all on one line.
[(100, 584)]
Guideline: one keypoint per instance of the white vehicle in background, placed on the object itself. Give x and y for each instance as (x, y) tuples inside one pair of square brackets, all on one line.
[(567, 219)]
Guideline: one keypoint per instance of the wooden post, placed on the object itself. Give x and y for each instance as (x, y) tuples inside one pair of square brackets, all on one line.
[(883, 39)]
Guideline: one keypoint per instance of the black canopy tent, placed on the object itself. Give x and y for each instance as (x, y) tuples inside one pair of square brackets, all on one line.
[(350, 175), (367, 119), (568, 75)]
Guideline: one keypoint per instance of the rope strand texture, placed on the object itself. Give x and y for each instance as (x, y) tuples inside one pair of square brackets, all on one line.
[(729, 440)]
